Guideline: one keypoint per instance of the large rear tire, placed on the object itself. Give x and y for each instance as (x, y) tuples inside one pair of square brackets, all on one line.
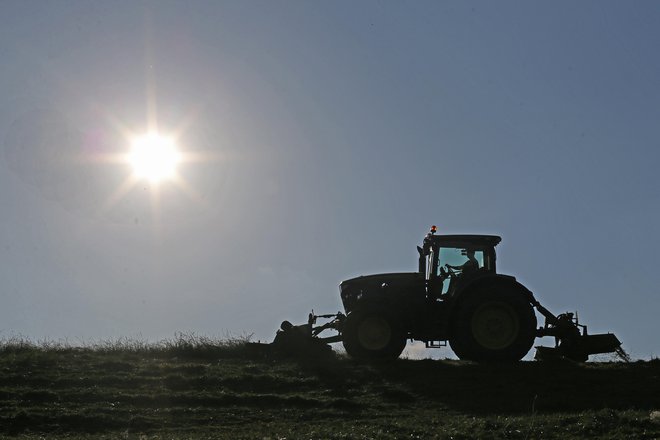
[(493, 325), (373, 335)]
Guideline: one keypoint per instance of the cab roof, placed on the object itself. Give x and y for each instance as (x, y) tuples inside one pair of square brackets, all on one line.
[(465, 240)]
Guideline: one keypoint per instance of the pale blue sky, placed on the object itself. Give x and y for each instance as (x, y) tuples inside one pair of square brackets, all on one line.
[(340, 132)]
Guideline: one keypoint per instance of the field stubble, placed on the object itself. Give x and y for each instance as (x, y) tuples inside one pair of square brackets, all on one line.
[(195, 387)]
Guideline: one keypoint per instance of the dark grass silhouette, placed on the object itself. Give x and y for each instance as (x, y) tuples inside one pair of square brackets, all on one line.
[(193, 386)]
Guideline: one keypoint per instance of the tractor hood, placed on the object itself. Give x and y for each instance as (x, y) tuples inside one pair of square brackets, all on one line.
[(379, 279), (379, 287)]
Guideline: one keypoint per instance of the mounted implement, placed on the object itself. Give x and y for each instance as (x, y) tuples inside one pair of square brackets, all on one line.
[(455, 297)]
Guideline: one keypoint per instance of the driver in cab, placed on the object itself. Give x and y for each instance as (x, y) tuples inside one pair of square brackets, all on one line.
[(469, 266)]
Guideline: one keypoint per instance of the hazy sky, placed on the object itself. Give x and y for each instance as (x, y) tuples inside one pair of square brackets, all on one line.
[(333, 134)]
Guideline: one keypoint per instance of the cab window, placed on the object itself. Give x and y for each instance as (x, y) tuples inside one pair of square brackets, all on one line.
[(457, 257)]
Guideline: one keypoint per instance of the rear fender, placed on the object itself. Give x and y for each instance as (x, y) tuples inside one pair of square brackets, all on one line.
[(495, 281)]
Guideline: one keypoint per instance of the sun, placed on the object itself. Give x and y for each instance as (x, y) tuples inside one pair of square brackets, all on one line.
[(155, 161), (154, 157)]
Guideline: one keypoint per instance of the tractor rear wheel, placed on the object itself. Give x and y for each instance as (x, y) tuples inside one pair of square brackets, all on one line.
[(373, 335), (493, 325)]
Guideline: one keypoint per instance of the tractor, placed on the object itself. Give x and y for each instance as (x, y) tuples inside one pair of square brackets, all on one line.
[(455, 297)]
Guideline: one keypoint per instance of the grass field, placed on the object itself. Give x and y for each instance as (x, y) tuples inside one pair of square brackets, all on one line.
[(198, 388)]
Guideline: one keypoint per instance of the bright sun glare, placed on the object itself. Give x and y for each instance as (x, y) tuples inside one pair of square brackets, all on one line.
[(154, 157)]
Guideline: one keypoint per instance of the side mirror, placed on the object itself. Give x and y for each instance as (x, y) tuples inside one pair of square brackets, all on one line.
[(422, 261)]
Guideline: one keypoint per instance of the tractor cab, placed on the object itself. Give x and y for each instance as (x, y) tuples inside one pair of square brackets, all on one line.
[(449, 261)]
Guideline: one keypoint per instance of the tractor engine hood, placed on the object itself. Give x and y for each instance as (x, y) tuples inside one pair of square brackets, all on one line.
[(378, 287)]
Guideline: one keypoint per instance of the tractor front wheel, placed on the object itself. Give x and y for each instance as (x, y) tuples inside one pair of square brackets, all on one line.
[(493, 325), (373, 335)]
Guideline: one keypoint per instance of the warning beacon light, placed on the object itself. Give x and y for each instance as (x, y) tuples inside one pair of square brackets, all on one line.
[(434, 229)]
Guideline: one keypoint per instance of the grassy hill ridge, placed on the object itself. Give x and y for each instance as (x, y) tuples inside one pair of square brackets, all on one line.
[(195, 387)]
